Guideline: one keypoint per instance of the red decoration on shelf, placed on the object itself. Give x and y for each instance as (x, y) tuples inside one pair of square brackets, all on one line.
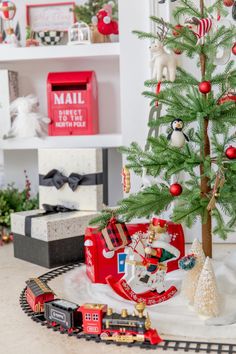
[(205, 87), (106, 25), (176, 189), (228, 3), (177, 30), (231, 153), (72, 103), (234, 49)]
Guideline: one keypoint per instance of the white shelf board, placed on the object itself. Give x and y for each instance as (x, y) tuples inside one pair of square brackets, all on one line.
[(11, 54), (82, 141)]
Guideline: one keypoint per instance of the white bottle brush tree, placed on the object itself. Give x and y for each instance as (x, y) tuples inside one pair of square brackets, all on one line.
[(206, 300), (190, 281)]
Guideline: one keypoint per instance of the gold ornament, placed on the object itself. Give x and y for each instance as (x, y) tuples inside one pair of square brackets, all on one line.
[(126, 179)]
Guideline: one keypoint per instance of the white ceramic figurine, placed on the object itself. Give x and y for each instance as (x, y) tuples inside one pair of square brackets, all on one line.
[(161, 60)]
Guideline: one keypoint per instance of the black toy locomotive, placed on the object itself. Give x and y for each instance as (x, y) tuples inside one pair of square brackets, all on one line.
[(98, 321)]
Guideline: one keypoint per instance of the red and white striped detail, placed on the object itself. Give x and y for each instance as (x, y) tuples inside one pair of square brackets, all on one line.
[(8, 10), (204, 27)]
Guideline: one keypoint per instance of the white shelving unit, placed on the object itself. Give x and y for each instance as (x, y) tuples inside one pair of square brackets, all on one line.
[(96, 141), (121, 69), (60, 52)]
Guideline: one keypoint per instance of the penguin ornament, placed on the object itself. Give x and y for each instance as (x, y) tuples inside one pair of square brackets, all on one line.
[(177, 137)]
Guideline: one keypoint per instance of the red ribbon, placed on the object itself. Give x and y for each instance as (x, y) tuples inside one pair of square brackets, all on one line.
[(158, 90)]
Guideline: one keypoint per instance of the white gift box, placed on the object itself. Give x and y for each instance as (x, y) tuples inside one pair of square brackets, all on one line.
[(51, 227), (50, 240), (81, 174)]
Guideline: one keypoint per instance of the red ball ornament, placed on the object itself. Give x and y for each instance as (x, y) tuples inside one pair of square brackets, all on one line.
[(176, 189), (228, 3), (231, 153), (205, 87), (234, 49), (177, 30)]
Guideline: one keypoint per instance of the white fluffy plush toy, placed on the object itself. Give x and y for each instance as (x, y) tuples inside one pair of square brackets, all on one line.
[(26, 120)]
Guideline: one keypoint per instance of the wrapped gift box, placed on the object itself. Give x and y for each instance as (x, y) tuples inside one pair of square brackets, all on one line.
[(98, 266), (75, 178), (50, 240)]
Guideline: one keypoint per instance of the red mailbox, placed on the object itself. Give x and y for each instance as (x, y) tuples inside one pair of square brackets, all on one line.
[(72, 103)]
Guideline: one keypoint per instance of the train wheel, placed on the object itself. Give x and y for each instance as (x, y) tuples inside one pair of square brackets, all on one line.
[(104, 335)]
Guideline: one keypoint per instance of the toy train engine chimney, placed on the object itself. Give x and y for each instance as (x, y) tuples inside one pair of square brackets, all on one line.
[(124, 313), (140, 307)]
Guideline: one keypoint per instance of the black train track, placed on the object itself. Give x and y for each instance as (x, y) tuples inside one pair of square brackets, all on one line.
[(174, 345)]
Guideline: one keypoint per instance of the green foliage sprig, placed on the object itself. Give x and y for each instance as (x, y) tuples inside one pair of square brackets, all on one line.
[(13, 200)]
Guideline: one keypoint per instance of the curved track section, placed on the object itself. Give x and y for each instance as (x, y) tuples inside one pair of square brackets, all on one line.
[(175, 345)]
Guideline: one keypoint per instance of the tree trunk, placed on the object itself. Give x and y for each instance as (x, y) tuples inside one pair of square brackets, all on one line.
[(205, 183)]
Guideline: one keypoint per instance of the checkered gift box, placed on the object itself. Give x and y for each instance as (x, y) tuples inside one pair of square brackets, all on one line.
[(50, 37), (115, 235)]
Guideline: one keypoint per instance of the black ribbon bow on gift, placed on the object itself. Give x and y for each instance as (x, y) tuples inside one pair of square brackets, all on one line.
[(55, 209), (48, 209), (57, 179)]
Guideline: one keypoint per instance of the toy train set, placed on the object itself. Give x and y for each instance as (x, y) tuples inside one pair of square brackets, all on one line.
[(166, 344), (93, 321)]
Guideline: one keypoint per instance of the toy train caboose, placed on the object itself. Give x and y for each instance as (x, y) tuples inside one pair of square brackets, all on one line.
[(37, 293), (94, 321)]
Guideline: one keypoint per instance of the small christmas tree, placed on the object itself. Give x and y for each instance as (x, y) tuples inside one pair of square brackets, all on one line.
[(190, 282), (206, 300), (204, 153)]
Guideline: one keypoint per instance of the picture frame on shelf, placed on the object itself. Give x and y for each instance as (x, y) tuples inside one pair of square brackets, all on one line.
[(50, 16)]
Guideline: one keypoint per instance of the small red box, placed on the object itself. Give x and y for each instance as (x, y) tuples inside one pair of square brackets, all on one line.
[(72, 103)]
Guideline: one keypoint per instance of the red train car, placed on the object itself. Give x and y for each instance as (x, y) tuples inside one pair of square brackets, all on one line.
[(37, 293), (92, 317)]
